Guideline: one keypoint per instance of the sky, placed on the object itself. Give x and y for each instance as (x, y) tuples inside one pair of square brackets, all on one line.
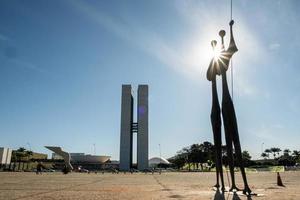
[(63, 62)]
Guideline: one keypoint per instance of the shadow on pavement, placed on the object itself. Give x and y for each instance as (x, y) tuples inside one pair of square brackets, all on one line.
[(220, 196)]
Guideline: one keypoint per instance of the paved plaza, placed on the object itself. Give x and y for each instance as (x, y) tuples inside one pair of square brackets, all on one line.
[(138, 186)]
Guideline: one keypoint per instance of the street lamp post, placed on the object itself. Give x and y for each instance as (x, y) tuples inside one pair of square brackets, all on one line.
[(94, 145), (28, 144), (262, 147), (28, 154), (159, 158)]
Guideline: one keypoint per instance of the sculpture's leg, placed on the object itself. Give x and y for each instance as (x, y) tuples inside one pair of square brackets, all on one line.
[(218, 172), (238, 151), (239, 156), (216, 126), (219, 161), (218, 150), (217, 185), (229, 150), (226, 99)]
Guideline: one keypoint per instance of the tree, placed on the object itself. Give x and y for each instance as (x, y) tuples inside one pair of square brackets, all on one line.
[(206, 154), (14, 160), (275, 151), (28, 154), (286, 160), (296, 156), (286, 152), (246, 158), (208, 149), (246, 155), (268, 151), (264, 155), (296, 153), (178, 161), (186, 154), (20, 154), (196, 155), (203, 153)]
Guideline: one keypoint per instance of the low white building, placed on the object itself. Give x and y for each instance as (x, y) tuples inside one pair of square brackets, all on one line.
[(55, 156), (80, 157), (155, 161), (5, 156)]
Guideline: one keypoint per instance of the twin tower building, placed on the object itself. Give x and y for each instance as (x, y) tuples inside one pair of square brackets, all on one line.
[(129, 127)]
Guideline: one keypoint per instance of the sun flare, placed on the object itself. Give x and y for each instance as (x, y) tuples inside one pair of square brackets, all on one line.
[(217, 54)]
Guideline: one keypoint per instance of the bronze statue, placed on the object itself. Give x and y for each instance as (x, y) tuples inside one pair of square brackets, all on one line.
[(215, 118), (220, 66)]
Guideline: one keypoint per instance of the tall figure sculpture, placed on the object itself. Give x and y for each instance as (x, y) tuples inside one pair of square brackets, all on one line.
[(215, 117), (228, 112)]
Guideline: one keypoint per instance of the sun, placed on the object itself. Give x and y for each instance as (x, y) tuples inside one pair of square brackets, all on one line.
[(217, 54)]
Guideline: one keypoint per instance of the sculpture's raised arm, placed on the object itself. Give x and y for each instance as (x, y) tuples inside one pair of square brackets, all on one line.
[(226, 55), (220, 64), (232, 46)]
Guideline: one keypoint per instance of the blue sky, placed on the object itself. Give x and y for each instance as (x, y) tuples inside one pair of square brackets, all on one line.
[(62, 64)]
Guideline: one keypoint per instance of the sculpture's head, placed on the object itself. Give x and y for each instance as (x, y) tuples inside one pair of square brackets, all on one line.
[(213, 44), (222, 33)]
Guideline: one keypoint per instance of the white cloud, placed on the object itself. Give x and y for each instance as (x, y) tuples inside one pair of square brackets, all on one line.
[(274, 46), (11, 57), (190, 58), (26, 65), (273, 134), (264, 136)]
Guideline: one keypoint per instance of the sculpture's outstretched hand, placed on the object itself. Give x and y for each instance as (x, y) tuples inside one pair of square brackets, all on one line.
[(232, 46)]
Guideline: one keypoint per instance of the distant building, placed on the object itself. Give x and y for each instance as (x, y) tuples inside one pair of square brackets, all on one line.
[(83, 158), (77, 154), (5, 156), (55, 156), (87, 158), (38, 156), (155, 161), (129, 127), (78, 160)]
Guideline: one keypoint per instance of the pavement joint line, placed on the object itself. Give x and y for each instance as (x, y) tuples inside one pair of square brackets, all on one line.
[(165, 188)]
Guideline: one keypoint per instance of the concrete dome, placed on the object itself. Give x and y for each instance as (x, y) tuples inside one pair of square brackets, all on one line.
[(157, 160)]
